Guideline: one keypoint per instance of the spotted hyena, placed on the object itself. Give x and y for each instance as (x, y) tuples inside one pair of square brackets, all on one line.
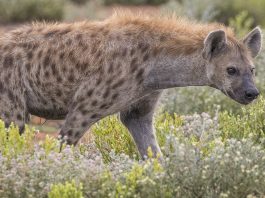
[(84, 71)]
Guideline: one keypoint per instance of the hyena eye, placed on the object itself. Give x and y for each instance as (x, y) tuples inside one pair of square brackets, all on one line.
[(252, 70), (231, 70)]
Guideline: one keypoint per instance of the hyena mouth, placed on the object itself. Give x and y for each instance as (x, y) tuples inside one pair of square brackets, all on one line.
[(241, 100)]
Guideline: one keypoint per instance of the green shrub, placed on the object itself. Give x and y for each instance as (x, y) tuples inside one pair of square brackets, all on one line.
[(28, 10), (218, 10), (241, 23), (12, 144), (229, 9), (67, 190), (250, 124), (79, 2), (110, 135)]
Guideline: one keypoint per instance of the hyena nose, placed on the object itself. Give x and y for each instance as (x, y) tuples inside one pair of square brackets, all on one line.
[(251, 94)]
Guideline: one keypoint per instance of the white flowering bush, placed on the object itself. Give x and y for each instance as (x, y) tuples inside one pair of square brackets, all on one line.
[(234, 169), (204, 156)]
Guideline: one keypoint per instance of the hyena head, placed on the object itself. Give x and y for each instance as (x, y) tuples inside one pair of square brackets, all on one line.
[(230, 65)]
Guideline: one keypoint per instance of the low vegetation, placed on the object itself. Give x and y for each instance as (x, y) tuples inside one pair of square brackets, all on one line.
[(208, 156), (30, 10)]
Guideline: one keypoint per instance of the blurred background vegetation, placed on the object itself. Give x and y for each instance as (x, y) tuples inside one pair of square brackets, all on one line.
[(240, 14)]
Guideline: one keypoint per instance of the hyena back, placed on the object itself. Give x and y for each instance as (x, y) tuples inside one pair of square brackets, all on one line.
[(82, 72)]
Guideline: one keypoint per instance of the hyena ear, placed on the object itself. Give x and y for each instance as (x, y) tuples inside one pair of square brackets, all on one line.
[(253, 41), (213, 44)]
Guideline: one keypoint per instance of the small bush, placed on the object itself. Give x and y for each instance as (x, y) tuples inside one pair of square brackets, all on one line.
[(218, 10), (29, 10), (250, 124), (79, 2), (234, 169), (67, 190), (110, 135), (229, 9)]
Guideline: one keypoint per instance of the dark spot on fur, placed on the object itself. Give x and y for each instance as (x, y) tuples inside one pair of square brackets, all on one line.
[(71, 77), (94, 50), (98, 81), (77, 134), (30, 55), (62, 55), (59, 79), (145, 48), (28, 67), (72, 57), (59, 93), (90, 92), (18, 56), (118, 84), (54, 70), (162, 38), (105, 32), (103, 106), (5, 48), (94, 116), (84, 112), (110, 69), (84, 123), (139, 74), (114, 55), (155, 52), (19, 116), (81, 99), (133, 65), (109, 81), (140, 45), (146, 57), (46, 60), (1, 87), (114, 96), (98, 54), (39, 54), (47, 74), (79, 37), (19, 71), (8, 61), (106, 93), (10, 95), (81, 106), (69, 42), (50, 33), (70, 132), (94, 102), (124, 52)]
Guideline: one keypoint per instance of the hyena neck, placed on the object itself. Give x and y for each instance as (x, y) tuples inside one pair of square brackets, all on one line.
[(178, 71)]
